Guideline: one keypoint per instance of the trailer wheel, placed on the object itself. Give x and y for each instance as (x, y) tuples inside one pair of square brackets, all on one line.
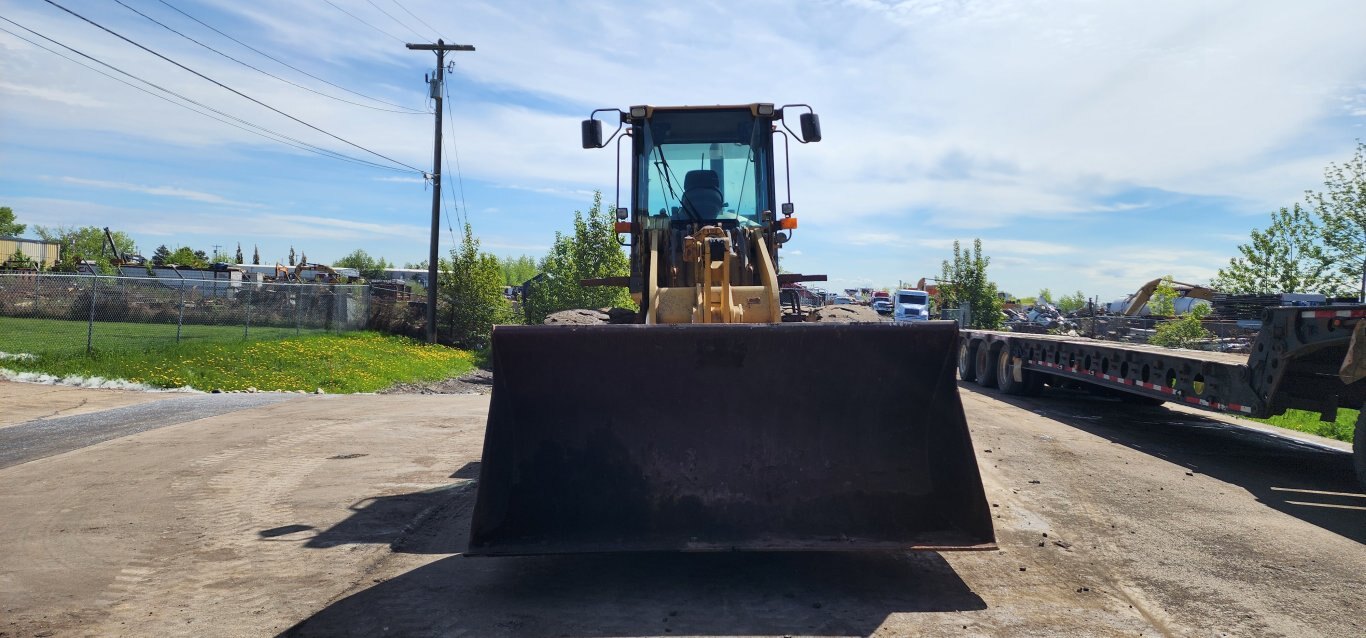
[(967, 355), (985, 366), (1359, 449), (1005, 373), (1033, 382)]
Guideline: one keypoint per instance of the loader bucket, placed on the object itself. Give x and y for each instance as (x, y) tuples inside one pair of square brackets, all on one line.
[(727, 437)]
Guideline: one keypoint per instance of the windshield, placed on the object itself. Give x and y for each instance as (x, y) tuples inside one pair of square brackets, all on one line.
[(704, 166), (918, 300)]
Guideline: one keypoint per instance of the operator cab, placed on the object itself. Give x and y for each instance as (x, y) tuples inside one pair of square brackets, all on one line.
[(709, 166)]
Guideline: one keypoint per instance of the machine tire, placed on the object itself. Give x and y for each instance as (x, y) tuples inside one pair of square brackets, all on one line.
[(967, 360), (985, 366), (1359, 449), (1005, 379)]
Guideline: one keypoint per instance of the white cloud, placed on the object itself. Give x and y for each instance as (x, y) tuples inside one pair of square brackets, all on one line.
[(159, 191), (939, 116)]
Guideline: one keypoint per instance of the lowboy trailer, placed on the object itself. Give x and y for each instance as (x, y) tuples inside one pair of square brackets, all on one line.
[(1303, 358)]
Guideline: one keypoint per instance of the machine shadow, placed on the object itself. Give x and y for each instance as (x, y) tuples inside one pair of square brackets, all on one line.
[(598, 595), (1312, 483)]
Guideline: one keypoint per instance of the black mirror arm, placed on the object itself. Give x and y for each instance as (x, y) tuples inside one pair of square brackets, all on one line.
[(783, 118), (787, 163), (619, 139), (620, 121)]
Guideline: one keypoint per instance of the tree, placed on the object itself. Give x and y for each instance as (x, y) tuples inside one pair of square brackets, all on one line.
[(20, 260), (161, 255), (517, 270), (1072, 303), (590, 252), (1342, 207), (8, 228), (303, 257), (240, 260), (1162, 303), (291, 255), (1045, 296), (255, 255), (470, 293), (1288, 256), (964, 280), (220, 257), (184, 256), (86, 243), (369, 267)]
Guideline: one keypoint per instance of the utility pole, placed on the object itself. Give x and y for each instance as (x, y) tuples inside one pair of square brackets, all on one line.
[(435, 85)]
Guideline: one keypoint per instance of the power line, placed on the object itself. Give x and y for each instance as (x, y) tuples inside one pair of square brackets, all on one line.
[(363, 22), (277, 60), (424, 23), (224, 117), (263, 72), (235, 91), (396, 20), (459, 175), (134, 86)]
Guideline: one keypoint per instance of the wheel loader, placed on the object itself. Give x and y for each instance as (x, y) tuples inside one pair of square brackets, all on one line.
[(715, 421)]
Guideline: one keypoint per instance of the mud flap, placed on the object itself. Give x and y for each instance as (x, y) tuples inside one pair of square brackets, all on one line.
[(727, 437)]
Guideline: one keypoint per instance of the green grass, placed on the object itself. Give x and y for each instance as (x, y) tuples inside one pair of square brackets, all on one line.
[(337, 363), (1341, 429), (64, 337)]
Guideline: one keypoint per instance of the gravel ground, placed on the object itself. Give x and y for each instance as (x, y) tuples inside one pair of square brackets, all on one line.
[(476, 382), (345, 516)]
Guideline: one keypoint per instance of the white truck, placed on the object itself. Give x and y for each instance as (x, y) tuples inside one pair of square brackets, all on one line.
[(910, 305)]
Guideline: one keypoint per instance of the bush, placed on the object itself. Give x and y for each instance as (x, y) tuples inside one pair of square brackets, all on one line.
[(1184, 332)]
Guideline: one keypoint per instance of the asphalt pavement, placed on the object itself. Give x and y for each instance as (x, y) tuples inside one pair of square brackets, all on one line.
[(42, 438)]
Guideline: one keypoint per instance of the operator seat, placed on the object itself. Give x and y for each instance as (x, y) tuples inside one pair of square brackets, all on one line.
[(702, 195)]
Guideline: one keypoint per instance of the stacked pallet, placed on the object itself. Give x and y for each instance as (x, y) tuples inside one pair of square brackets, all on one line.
[(1228, 306)]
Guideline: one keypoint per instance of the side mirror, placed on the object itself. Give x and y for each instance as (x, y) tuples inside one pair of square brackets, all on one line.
[(592, 133), (622, 213), (811, 127)]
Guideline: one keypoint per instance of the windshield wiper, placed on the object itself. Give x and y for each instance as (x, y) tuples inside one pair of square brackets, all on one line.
[(667, 175)]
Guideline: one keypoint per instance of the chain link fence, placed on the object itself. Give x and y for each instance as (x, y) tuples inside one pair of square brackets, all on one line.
[(47, 314)]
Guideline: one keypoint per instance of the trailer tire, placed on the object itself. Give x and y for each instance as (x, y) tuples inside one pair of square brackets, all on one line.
[(967, 360), (1359, 449), (1005, 373), (985, 365), (1033, 384)]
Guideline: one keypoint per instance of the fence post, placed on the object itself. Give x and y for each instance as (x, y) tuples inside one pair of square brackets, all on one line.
[(246, 327), (90, 327), (180, 312), (37, 288), (298, 305)]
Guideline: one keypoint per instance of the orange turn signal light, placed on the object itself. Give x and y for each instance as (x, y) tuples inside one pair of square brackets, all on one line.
[(787, 223), (625, 227)]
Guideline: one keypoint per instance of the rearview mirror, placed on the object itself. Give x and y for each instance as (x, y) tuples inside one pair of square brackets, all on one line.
[(811, 127), (592, 133)]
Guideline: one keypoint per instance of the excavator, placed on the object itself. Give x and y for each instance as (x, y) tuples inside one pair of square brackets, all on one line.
[(715, 421)]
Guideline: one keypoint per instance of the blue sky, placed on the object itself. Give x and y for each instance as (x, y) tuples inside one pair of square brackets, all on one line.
[(1090, 145)]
